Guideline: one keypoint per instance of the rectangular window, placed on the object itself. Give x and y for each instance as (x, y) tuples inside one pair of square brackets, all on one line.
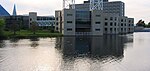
[(106, 23), (129, 21), (69, 14), (115, 24), (111, 24), (97, 29), (57, 18), (121, 24), (97, 22), (69, 21), (105, 29), (111, 29), (57, 23), (115, 18), (98, 15), (121, 20), (69, 29), (111, 18), (106, 19)]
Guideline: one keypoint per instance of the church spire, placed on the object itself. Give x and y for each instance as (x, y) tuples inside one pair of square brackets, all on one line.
[(14, 11)]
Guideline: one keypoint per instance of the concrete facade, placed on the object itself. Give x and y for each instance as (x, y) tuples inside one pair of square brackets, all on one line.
[(82, 21)]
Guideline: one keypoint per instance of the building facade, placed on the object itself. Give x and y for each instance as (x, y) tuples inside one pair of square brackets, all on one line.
[(83, 21)]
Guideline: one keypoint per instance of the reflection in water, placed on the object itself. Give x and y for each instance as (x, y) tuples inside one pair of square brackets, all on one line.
[(34, 42), (14, 42), (2, 45), (65, 54), (82, 51), (92, 46)]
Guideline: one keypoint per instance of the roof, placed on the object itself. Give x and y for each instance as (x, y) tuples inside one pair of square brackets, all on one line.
[(3, 12)]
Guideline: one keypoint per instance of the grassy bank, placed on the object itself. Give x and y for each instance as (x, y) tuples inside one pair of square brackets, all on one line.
[(28, 33)]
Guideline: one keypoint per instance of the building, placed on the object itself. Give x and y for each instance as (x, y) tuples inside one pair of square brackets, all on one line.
[(83, 21), (25, 21), (44, 22)]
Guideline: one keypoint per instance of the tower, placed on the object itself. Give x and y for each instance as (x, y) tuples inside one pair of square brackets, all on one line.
[(96, 4), (14, 11), (68, 3)]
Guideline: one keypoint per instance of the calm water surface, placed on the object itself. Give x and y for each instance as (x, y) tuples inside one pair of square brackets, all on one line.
[(107, 53)]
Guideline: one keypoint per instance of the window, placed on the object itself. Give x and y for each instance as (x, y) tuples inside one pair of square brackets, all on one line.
[(125, 24), (106, 29), (57, 18), (97, 22), (97, 29), (129, 21), (106, 23), (57, 23), (56, 28), (115, 18), (111, 24), (30, 19), (124, 29), (115, 24), (111, 18), (69, 14), (106, 19), (115, 29), (121, 29), (111, 29), (121, 20), (69, 21), (98, 15), (121, 24), (69, 29)]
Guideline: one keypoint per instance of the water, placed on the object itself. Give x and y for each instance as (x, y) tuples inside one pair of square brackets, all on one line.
[(107, 53)]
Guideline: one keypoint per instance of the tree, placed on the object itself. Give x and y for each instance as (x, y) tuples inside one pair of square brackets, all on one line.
[(141, 23), (2, 24), (14, 27), (34, 26), (148, 25)]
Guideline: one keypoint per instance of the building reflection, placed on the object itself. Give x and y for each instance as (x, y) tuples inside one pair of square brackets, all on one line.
[(92, 46), (34, 43)]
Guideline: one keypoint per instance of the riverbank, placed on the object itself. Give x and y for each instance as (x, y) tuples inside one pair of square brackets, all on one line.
[(28, 34)]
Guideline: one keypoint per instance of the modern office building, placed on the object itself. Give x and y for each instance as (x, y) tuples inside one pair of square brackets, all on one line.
[(24, 21), (83, 21), (44, 22), (3, 12)]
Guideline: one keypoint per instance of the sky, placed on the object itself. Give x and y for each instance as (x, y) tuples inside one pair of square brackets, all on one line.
[(138, 9)]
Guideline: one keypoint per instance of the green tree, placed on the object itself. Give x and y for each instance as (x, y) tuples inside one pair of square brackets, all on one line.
[(14, 27), (34, 26), (141, 23), (2, 25), (148, 25)]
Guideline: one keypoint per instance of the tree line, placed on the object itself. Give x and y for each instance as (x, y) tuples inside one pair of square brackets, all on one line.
[(142, 23), (14, 27)]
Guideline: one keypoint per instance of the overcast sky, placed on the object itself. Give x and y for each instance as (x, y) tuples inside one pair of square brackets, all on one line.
[(138, 9)]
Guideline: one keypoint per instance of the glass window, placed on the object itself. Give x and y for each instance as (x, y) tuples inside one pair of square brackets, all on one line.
[(69, 21), (106, 23), (98, 15), (97, 29), (97, 22), (111, 24), (111, 18), (69, 29), (69, 14)]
